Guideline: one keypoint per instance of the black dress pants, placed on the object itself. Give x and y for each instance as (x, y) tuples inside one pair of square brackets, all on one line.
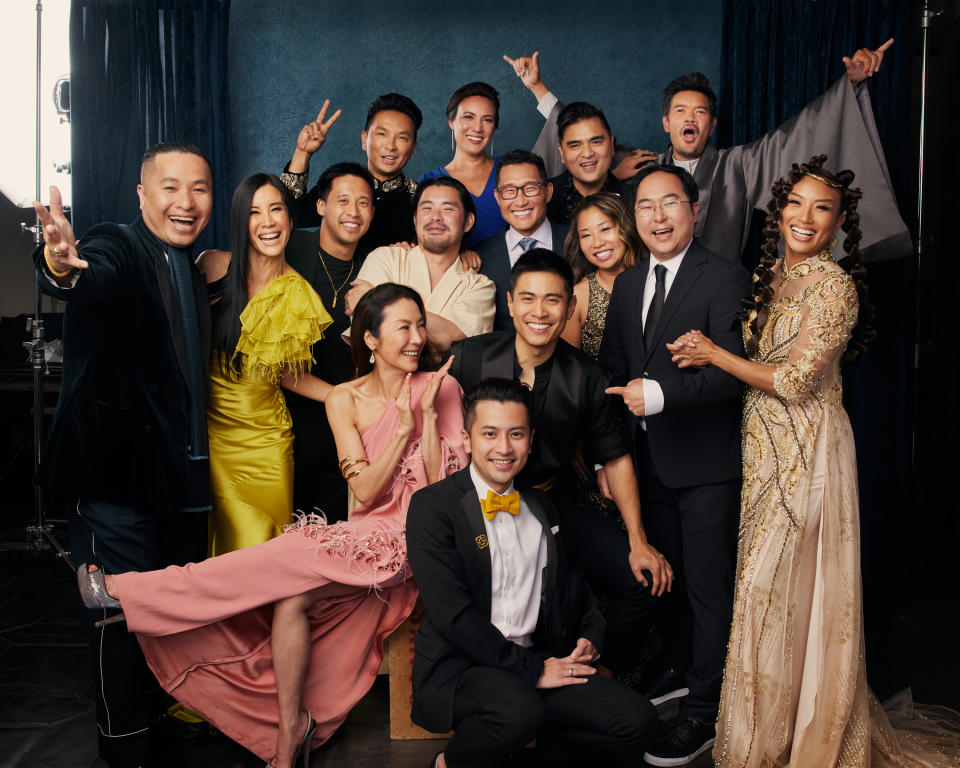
[(695, 529), (497, 713), (118, 539), (600, 550)]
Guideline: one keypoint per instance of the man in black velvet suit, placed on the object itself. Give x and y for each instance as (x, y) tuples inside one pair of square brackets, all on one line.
[(504, 651), (570, 409), (523, 193), (126, 459), (687, 436)]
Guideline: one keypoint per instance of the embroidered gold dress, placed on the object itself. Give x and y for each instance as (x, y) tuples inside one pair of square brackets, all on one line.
[(249, 427), (794, 688)]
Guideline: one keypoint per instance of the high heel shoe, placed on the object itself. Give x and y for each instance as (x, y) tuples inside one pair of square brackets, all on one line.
[(303, 748), (93, 590)]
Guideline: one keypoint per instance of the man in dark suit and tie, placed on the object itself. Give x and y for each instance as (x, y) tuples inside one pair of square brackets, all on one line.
[(126, 458), (687, 432), (523, 193), (503, 654)]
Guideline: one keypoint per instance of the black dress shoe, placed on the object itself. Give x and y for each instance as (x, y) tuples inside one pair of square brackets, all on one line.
[(663, 684), (685, 739)]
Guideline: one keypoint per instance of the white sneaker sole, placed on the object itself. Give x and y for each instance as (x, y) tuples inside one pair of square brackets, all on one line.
[(669, 696), (666, 762)]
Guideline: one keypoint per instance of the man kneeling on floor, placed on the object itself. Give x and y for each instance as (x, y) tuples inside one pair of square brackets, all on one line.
[(510, 631)]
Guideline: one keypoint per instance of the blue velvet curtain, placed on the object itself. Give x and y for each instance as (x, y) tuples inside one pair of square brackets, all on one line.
[(778, 55), (144, 72)]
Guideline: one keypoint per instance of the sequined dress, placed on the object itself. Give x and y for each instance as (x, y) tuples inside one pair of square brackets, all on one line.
[(205, 628), (598, 300), (794, 688)]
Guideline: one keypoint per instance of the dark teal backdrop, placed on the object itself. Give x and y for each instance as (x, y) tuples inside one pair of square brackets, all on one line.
[(287, 55)]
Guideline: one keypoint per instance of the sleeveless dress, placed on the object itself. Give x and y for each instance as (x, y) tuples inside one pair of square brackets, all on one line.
[(794, 686), (205, 628), (248, 425), (489, 220)]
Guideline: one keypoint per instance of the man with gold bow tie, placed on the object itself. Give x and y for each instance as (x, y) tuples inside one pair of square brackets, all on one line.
[(505, 649)]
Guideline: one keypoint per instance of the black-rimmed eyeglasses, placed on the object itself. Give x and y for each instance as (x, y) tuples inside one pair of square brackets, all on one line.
[(533, 189)]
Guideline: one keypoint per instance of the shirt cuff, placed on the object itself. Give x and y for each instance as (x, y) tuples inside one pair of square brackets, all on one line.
[(547, 103), (73, 279), (652, 397)]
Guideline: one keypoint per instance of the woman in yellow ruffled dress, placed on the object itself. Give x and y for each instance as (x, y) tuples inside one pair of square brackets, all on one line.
[(265, 319)]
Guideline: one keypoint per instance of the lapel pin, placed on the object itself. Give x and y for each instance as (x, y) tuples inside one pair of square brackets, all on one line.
[(481, 541)]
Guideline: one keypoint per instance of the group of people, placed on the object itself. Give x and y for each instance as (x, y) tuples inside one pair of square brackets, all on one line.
[(604, 332)]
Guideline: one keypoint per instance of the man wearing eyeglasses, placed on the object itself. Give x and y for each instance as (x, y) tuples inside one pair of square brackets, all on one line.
[(686, 426), (522, 192)]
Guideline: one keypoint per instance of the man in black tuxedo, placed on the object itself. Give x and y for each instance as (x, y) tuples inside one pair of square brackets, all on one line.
[(504, 651), (570, 409), (687, 432), (126, 458), (523, 193)]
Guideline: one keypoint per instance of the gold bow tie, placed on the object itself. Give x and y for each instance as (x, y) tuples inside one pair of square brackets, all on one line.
[(494, 503)]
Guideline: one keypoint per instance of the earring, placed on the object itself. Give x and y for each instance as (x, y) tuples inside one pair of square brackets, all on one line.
[(453, 142), (372, 358), (491, 146)]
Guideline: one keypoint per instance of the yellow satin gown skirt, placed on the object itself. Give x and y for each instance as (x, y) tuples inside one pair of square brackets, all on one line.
[(251, 461)]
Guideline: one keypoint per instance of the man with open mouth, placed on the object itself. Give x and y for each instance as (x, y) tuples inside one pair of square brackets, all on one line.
[(736, 181)]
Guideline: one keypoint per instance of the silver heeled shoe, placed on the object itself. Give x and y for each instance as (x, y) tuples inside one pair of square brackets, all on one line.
[(93, 590), (303, 748)]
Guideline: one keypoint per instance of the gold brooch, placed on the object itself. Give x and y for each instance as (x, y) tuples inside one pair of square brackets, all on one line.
[(482, 542)]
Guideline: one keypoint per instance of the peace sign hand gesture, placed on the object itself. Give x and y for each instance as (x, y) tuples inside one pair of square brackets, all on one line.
[(58, 234), (314, 133)]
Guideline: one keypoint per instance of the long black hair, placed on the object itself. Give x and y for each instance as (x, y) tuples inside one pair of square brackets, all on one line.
[(864, 332), (226, 326), (368, 316)]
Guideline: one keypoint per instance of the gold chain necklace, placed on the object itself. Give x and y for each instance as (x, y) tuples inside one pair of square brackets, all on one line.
[(336, 291)]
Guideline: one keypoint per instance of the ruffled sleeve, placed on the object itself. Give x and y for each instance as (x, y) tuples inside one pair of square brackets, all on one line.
[(279, 326)]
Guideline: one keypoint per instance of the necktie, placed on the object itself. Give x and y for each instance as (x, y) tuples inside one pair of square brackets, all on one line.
[(494, 503), (653, 314), (182, 281), (526, 244)]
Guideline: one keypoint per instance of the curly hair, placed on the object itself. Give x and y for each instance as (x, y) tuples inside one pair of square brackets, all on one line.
[(763, 290)]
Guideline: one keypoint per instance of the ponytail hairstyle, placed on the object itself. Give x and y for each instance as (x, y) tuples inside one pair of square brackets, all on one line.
[(763, 291)]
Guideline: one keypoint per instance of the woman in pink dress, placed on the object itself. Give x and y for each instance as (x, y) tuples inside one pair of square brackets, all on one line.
[(274, 644)]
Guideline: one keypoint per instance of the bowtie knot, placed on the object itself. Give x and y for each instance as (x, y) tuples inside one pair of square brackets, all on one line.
[(494, 503)]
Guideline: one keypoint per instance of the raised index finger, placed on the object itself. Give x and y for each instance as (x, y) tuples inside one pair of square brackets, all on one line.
[(56, 202), (886, 45), (615, 390)]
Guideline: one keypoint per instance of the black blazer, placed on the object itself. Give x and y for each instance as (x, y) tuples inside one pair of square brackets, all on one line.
[(121, 426), (696, 439), (496, 266), (446, 546), (573, 407)]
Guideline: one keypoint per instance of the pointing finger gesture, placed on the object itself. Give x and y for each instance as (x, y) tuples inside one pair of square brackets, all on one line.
[(865, 62)]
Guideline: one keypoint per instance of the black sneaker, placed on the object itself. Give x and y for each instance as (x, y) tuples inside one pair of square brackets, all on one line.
[(685, 740), (663, 684)]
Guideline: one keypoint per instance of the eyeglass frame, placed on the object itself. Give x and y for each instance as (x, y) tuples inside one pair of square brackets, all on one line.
[(666, 206), (517, 189)]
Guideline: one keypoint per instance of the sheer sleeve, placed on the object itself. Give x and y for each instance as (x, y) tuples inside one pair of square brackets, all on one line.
[(830, 314)]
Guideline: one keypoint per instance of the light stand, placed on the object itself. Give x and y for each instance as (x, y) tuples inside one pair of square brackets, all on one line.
[(40, 537)]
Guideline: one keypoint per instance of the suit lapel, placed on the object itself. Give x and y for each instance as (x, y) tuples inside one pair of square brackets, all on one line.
[(703, 175), (548, 587), (687, 276), (470, 503), (498, 357)]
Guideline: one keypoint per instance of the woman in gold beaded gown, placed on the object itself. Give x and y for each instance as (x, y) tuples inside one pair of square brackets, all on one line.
[(794, 688), (265, 319)]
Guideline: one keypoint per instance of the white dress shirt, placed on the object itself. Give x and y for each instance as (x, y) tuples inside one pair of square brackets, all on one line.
[(542, 234), (652, 392), (518, 555)]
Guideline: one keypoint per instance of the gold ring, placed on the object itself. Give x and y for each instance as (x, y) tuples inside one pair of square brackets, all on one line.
[(56, 252), (570, 670)]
